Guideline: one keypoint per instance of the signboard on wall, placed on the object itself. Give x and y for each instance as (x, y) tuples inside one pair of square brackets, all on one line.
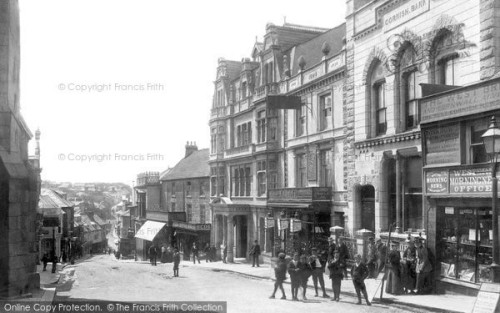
[(295, 225), (463, 102), (472, 180), (268, 222), (436, 182), (443, 145), (404, 13)]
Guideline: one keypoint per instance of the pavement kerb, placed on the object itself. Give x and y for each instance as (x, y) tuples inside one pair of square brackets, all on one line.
[(348, 293)]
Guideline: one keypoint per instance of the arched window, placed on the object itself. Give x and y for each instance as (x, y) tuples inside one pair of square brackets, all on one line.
[(377, 106), (409, 89), (447, 69)]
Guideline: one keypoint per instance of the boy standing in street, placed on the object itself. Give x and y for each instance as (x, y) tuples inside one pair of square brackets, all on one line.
[(359, 273), (177, 260)]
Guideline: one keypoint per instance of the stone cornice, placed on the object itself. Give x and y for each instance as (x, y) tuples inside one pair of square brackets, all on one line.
[(379, 141)]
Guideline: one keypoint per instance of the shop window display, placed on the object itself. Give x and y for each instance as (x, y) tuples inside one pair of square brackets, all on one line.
[(466, 243)]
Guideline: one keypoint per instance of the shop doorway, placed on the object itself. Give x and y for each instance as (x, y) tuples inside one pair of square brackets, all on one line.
[(243, 242), (368, 207)]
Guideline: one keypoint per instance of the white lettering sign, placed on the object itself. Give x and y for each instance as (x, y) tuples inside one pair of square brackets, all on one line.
[(405, 13)]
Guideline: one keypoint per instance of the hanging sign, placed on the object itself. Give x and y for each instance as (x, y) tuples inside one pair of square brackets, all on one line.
[(295, 225), (268, 222)]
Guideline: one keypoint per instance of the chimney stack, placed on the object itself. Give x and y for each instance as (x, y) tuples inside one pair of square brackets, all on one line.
[(190, 148)]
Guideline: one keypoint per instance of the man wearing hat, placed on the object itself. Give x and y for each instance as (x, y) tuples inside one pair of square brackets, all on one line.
[(331, 248), (381, 254), (423, 268), (293, 270), (280, 273), (409, 265), (317, 273)]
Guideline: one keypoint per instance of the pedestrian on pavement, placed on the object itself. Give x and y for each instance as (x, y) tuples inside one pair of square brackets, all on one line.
[(381, 255), (255, 252), (393, 285), (343, 254), (305, 271), (152, 254), (423, 268), (293, 271), (409, 266), (223, 250), (177, 260), (54, 262), (207, 252), (337, 269), (213, 253), (195, 252), (318, 268), (359, 272), (372, 258), (45, 260), (331, 248), (280, 274), (163, 256)]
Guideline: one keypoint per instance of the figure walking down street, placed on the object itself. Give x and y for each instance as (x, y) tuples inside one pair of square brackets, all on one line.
[(223, 250), (359, 272), (152, 254), (318, 268), (337, 268), (280, 274), (293, 271), (393, 271), (54, 260), (195, 252), (423, 268), (305, 271), (45, 260), (255, 253), (177, 261), (371, 262), (409, 266)]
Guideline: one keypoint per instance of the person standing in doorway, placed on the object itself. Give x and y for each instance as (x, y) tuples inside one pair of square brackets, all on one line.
[(223, 250), (255, 253), (207, 252)]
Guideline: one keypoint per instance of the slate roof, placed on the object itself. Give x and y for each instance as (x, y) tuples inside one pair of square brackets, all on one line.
[(57, 198), (193, 166), (311, 50)]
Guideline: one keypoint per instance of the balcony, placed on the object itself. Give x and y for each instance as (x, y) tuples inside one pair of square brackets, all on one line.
[(269, 89), (218, 112), (247, 149), (307, 194), (264, 146), (148, 179)]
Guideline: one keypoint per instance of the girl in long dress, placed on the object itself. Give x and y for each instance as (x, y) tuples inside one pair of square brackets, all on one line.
[(394, 285)]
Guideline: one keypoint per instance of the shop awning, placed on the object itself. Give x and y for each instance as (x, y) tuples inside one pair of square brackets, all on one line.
[(149, 230), (289, 205)]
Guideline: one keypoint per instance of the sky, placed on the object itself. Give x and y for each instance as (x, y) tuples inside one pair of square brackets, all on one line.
[(117, 87)]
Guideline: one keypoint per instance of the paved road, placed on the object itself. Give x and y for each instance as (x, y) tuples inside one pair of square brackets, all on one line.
[(105, 278)]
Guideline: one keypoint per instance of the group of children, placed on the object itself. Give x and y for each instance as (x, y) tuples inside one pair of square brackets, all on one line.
[(301, 267)]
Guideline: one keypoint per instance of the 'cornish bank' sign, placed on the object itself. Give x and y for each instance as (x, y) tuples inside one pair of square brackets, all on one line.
[(404, 13)]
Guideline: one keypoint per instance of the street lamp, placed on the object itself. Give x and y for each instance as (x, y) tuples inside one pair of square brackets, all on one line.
[(491, 141)]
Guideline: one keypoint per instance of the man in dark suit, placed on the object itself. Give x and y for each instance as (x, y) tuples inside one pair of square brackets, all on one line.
[(359, 272), (255, 252), (152, 254), (318, 268)]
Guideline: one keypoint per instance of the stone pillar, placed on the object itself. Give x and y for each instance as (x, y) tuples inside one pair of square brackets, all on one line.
[(398, 193), (382, 211), (216, 231), (237, 237), (230, 238), (489, 38)]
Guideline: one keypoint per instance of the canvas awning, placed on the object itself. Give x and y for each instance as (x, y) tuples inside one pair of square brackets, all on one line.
[(149, 230)]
